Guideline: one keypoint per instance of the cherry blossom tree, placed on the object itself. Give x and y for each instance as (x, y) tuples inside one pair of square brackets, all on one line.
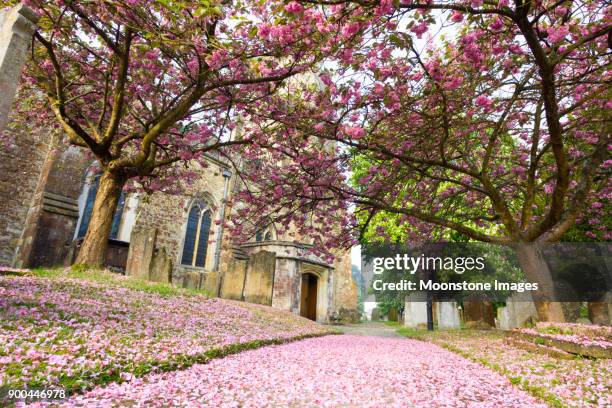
[(146, 85), (499, 130)]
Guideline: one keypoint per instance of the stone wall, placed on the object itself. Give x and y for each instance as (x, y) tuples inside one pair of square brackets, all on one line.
[(21, 160), (287, 285), (345, 287), (51, 231), (168, 214), (16, 28)]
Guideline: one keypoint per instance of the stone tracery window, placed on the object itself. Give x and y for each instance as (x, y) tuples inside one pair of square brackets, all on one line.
[(263, 235), (92, 191), (195, 245)]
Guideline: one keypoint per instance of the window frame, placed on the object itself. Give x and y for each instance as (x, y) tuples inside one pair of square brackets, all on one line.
[(199, 251)]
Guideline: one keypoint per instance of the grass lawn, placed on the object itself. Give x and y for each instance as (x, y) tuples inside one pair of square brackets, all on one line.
[(80, 328), (577, 382)]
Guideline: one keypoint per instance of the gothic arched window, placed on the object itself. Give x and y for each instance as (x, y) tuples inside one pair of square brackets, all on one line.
[(263, 235), (89, 203), (195, 245)]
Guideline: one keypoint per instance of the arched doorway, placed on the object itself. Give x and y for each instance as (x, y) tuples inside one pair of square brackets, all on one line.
[(308, 303)]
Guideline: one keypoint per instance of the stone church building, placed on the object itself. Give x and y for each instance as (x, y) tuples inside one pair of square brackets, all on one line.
[(46, 196)]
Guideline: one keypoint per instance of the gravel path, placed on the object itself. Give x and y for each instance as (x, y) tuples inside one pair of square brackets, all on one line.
[(377, 329), (331, 371)]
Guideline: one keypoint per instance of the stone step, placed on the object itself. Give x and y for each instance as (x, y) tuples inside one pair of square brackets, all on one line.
[(592, 351), (539, 348), (8, 271)]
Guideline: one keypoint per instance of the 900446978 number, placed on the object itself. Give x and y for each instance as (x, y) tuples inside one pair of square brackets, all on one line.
[(32, 394)]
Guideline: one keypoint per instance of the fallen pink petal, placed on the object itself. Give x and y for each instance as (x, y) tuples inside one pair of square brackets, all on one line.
[(332, 371)]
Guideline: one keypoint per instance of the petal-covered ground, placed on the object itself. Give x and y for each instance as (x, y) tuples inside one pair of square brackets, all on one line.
[(77, 334), (580, 334), (331, 371), (579, 382)]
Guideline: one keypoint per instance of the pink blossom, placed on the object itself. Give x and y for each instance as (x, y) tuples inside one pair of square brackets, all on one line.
[(557, 34), (332, 371), (355, 132), (497, 24), (263, 30), (294, 7), (457, 16), (350, 29), (483, 101), (420, 29)]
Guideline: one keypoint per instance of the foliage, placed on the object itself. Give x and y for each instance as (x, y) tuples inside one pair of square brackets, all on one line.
[(152, 89), (498, 131), (499, 264)]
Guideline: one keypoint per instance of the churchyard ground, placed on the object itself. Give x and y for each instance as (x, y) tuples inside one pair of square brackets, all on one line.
[(80, 329), (115, 341), (559, 379)]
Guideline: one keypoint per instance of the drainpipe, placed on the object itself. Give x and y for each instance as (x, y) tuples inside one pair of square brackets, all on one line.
[(227, 175)]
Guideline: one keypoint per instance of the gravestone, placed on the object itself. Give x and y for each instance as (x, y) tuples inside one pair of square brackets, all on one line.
[(571, 311), (448, 315), (161, 267), (140, 254), (260, 278), (415, 311), (192, 280), (479, 311), (210, 283), (16, 28), (233, 279), (600, 312), (519, 309)]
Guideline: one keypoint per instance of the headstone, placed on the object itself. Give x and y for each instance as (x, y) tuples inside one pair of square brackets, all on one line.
[(16, 28), (140, 254), (448, 315), (260, 278), (415, 311), (233, 279), (345, 315), (210, 283), (571, 311), (192, 280), (161, 267), (519, 309), (608, 300), (599, 312), (504, 320), (479, 311)]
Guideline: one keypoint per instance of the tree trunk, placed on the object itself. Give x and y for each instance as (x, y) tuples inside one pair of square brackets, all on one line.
[(536, 270), (95, 243)]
